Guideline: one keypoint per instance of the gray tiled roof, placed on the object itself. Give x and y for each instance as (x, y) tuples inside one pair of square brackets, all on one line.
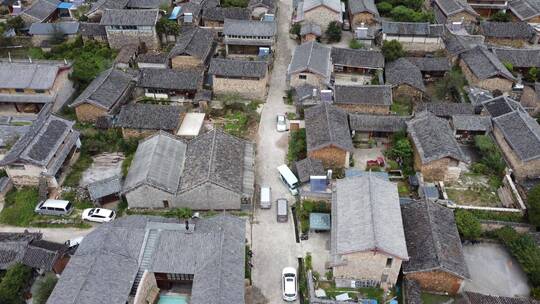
[(412, 28), (102, 5), (238, 68), (484, 64), (190, 7), (445, 109), (42, 254), (66, 28), (431, 64), (155, 57), (169, 79), (433, 138), (412, 292), (457, 44), (106, 90), (150, 117), (361, 6), (13, 247), (525, 9), (92, 29), (402, 71), (511, 30), (452, 7), (144, 4), (471, 123), (308, 167), (311, 56), (222, 13), (377, 123), (380, 95), (519, 58), (366, 217), (140, 17), (42, 9), (310, 28), (478, 298), (249, 28), (194, 41), (433, 240), (26, 75), (521, 132), (357, 58), (327, 125), (501, 105), (104, 187)]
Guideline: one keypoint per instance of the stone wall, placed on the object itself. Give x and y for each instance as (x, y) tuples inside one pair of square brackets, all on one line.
[(148, 197), (367, 266), (358, 19), (182, 62), (89, 113), (332, 157), (134, 133), (147, 283), (408, 92), (29, 176), (364, 108), (208, 196), (437, 281), (522, 170), (63, 87), (322, 16), (495, 83), (312, 79), (466, 17), (516, 43), (247, 88), (418, 44), (118, 38)]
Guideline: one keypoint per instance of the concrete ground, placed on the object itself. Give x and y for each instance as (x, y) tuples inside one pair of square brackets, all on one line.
[(318, 245), (361, 156), (274, 245), (493, 271), (58, 235), (105, 165)]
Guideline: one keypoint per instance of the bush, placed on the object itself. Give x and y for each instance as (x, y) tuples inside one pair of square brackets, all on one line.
[(533, 202), (308, 262), (392, 50), (126, 164), (333, 32), (297, 146), (44, 289), (451, 85), (355, 44), (532, 75), (405, 14), (384, 8), (14, 283), (500, 16), (468, 225), (167, 27), (295, 29), (402, 152), (492, 158), (16, 23), (234, 3)]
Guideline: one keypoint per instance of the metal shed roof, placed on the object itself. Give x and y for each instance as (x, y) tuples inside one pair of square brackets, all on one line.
[(319, 221)]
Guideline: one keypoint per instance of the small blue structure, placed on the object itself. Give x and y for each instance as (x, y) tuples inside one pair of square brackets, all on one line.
[(175, 12), (319, 221), (369, 301), (65, 5), (353, 172)]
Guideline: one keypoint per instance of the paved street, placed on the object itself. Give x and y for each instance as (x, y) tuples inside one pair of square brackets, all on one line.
[(59, 235), (273, 243)]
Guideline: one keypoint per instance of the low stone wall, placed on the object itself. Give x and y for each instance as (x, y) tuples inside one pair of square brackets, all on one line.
[(488, 225)]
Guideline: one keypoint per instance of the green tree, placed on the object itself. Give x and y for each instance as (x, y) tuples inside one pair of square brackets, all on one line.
[(533, 202), (468, 225), (167, 27), (16, 23), (44, 289), (492, 158), (297, 146), (355, 44), (500, 16), (392, 50), (14, 283), (295, 29), (451, 85), (532, 75), (333, 32), (509, 66), (384, 8), (234, 3)]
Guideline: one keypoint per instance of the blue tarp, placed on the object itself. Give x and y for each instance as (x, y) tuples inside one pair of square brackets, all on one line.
[(175, 12), (65, 5), (319, 221)]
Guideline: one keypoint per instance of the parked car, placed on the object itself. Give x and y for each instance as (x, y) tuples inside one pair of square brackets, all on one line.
[(282, 210), (266, 198), (99, 215), (54, 207), (288, 277), (281, 123)]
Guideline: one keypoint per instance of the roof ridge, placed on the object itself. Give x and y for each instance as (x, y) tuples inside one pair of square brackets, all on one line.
[(371, 210), (432, 234), (212, 154), (330, 131)]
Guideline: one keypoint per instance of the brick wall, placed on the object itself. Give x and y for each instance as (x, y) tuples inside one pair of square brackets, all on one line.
[(312, 79), (29, 176), (89, 113), (247, 88), (495, 83), (364, 108), (368, 266), (437, 281), (180, 62), (436, 170), (118, 39), (332, 157), (322, 16), (521, 169)]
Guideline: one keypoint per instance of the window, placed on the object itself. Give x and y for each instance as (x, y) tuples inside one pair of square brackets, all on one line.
[(39, 91), (302, 76), (19, 90), (16, 167), (165, 204), (384, 278), (388, 262)]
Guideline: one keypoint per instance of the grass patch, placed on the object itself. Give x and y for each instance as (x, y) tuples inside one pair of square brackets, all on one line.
[(297, 146), (473, 196), (84, 162), (401, 107), (429, 298), (78, 204), (403, 189), (357, 293), (21, 123), (499, 216), (19, 206)]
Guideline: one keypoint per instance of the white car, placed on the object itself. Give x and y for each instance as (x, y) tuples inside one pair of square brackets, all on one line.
[(289, 286), (281, 123), (99, 215)]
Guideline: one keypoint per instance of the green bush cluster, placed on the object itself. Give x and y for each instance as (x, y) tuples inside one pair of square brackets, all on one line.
[(19, 207), (297, 146), (451, 85), (236, 123), (501, 16), (355, 44), (491, 162), (402, 150), (14, 283), (333, 32), (234, 3), (533, 202), (167, 26), (392, 50), (468, 225), (404, 10), (44, 289)]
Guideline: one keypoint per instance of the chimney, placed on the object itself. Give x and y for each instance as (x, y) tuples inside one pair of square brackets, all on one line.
[(362, 31), (314, 93), (30, 59), (329, 175)]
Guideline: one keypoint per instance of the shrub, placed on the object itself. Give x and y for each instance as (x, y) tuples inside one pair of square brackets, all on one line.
[(333, 31), (532, 75), (392, 50), (468, 225), (451, 85), (297, 146), (355, 44), (44, 289), (234, 3), (126, 164), (402, 152), (308, 262), (500, 16), (14, 283), (329, 275), (384, 8), (492, 158), (167, 27), (16, 23), (405, 14), (295, 29), (533, 202)]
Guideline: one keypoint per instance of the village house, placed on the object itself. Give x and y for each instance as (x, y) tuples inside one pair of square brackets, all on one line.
[(104, 95), (414, 36), (522, 60), (44, 151), (320, 12), (143, 120), (367, 240), (306, 95), (259, 8), (310, 32), (189, 13), (486, 8), (149, 256), (432, 68), (406, 79), (449, 11), (435, 262), (97, 8), (368, 99), (483, 69), (249, 37), (356, 66), (525, 10), (27, 86), (152, 60), (92, 31), (513, 34), (445, 109), (310, 64), (214, 17), (194, 47), (29, 249), (456, 44), (308, 167), (174, 85), (380, 128), (245, 78), (478, 298), (213, 171), (467, 126), (45, 34), (328, 137), (362, 12), (437, 155), (518, 136), (133, 26), (105, 190), (40, 11)]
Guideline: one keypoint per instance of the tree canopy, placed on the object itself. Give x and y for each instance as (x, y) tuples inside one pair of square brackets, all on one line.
[(392, 50)]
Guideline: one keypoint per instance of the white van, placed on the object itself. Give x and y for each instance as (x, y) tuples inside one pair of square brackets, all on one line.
[(288, 178), (54, 207), (266, 200)]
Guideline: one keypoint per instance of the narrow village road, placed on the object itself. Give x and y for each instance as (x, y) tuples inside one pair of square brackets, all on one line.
[(58, 235), (274, 244)]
